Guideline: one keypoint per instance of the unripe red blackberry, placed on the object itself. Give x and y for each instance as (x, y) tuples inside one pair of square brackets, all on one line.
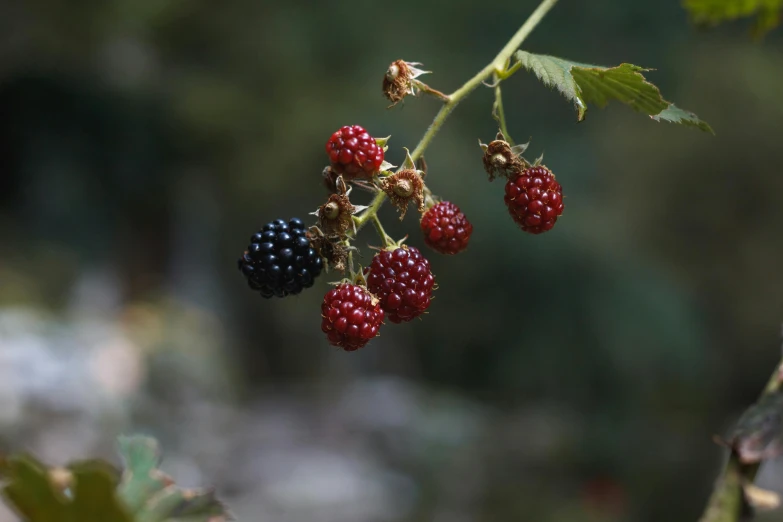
[(403, 281), (534, 199), (445, 228), (280, 259), (354, 153), (351, 316)]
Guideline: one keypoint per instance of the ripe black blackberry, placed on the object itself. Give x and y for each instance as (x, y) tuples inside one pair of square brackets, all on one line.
[(280, 260)]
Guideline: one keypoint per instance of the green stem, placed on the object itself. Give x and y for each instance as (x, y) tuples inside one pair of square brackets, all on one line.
[(350, 262), (370, 211), (508, 73), (496, 66), (511, 47), (381, 232), (500, 114)]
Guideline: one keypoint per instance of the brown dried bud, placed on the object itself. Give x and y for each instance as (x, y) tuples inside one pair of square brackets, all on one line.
[(500, 160), (402, 188), (334, 253), (398, 80), (336, 215)]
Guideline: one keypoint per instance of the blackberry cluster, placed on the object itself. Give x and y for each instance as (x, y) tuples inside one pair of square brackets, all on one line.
[(280, 260)]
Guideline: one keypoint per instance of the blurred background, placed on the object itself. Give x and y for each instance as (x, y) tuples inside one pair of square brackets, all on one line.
[(574, 376)]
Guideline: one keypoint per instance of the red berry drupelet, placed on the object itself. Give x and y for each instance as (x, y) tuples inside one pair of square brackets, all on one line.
[(403, 281), (351, 316), (354, 153), (534, 199), (446, 229)]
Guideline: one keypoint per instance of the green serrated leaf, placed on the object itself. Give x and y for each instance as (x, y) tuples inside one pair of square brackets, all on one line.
[(625, 83), (94, 494), (674, 114), (33, 495), (139, 452), (555, 72), (140, 479), (30, 492), (583, 84), (89, 491), (152, 496), (767, 12)]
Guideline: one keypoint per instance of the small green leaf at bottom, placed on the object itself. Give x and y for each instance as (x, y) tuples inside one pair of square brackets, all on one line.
[(152, 496), (91, 496), (583, 84), (141, 478)]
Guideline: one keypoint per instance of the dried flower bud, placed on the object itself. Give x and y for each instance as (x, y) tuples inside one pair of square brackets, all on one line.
[(397, 82), (333, 251), (402, 188), (335, 216), (501, 159)]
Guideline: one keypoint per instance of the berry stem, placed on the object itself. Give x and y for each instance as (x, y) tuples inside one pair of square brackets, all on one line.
[(521, 35), (350, 258), (370, 212), (500, 114), (496, 67), (429, 200), (423, 87), (385, 239)]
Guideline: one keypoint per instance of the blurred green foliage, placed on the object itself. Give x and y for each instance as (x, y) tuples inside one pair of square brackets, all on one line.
[(88, 495), (766, 13), (91, 492)]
